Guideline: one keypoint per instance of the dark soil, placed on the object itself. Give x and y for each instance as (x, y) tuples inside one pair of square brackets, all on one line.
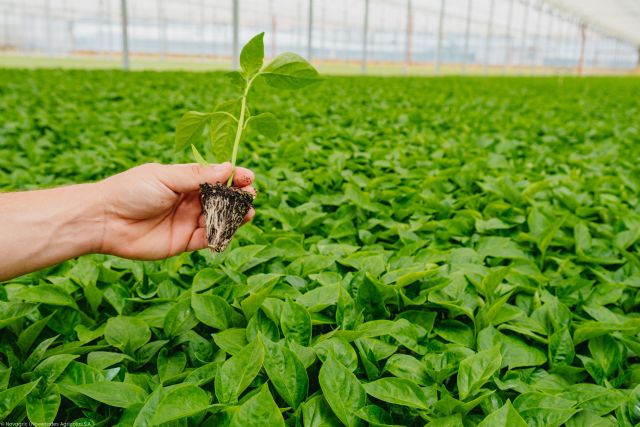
[(224, 209)]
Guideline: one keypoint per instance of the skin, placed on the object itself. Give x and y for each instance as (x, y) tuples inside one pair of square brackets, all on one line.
[(148, 212)]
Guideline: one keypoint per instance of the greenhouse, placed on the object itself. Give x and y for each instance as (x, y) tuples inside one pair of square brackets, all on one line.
[(320, 213)]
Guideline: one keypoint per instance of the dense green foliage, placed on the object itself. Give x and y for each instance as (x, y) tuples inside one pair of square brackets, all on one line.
[(425, 252)]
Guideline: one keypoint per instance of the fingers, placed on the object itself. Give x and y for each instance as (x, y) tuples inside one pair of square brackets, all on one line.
[(198, 240), (249, 216), (184, 178), (187, 177), (243, 177)]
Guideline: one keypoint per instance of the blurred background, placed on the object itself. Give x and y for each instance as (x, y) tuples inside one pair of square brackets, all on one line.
[(522, 37)]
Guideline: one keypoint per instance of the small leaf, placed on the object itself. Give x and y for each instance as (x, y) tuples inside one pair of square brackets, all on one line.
[(118, 394), (236, 79), (252, 56), (190, 128), (266, 124), (184, 400), (342, 390), (11, 397), (222, 129), (259, 410), (399, 391), (295, 322), (127, 333), (46, 294), (506, 416), (42, 410), (211, 310), (476, 370), (290, 71), (198, 157), (286, 372), (238, 372)]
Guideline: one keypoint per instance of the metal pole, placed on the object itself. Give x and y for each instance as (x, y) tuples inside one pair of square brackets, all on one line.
[(235, 54), (162, 25), (273, 29), (489, 35), (638, 60), (523, 43), (507, 59), (202, 27), (409, 33), (48, 24), (440, 37), (547, 41), (583, 42), (536, 39), (365, 36), (125, 35), (467, 32), (310, 31)]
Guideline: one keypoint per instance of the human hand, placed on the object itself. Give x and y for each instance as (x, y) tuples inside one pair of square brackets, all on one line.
[(153, 211)]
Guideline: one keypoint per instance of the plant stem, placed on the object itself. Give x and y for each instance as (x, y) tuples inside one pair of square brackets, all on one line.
[(236, 143)]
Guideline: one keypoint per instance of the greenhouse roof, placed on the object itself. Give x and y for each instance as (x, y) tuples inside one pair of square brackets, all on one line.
[(619, 18)]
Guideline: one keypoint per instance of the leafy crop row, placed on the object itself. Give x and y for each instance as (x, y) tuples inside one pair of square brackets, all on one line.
[(438, 252)]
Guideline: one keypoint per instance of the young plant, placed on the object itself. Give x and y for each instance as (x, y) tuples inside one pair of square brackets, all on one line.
[(224, 206)]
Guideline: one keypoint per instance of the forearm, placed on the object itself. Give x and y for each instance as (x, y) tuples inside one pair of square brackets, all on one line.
[(44, 227)]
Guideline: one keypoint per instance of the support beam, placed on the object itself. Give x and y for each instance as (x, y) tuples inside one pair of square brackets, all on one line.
[(583, 43), (537, 36), (48, 28), (162, 24), (638, 60), (467, 33), (365, 37), (487, 50), (408, 38), (523, 42), (507, 59), (440, 37), (310, 32), (273, 29), (125, 35), (235, 53)]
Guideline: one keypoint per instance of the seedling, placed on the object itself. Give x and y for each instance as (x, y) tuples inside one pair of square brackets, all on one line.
[(225, 206)]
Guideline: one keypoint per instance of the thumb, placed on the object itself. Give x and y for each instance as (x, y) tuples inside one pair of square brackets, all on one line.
[(184, 178)]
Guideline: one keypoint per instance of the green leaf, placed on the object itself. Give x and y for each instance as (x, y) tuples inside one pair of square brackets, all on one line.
[(180, 319), (198, 157), (118, 394), (127, 333), (265, 124), (238, 372), (46, 294), (11, 397), (222, 132), (42, 410), (399, 391), (316, 413), (342, 390), (539, 409), (211, 310), (475, 370), (506, 416), (29, 335), (375, 416), (181, 401), (252, 56), (295, 322), (11, 311), (290, 71), (259, 410), (190, 128), (286, 372)]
